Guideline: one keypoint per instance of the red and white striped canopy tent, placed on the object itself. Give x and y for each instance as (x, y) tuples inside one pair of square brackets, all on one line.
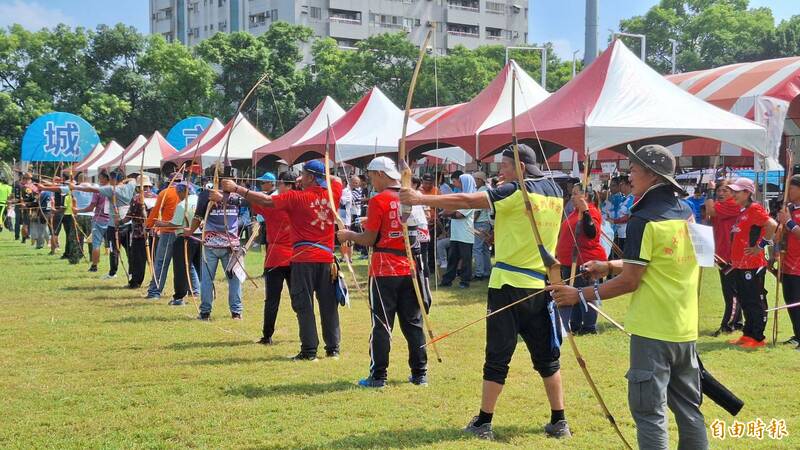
[(97, 150), (372, 126), (244, 138), (113, 150), (737, 88), (153, 151), (618, 100), (327, 111), (433, 114), (463, 127), (211, 130)]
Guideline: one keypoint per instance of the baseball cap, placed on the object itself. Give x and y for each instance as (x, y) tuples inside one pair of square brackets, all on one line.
[(385, 165), (743, 184), (316, 168), (527, 156), (268, 177)]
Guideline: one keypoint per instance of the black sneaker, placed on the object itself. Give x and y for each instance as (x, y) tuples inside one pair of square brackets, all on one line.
[(236, 316), (64, 257), (176, 302), (558, 430), (332, 354), (370, 382), (792, 341), (463, 285), (265, 341), (93, 269), (204, 316), (481, 432), (419, 380), (304, 357)]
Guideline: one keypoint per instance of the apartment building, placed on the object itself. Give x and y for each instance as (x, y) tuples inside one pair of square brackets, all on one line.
[(470, 23)]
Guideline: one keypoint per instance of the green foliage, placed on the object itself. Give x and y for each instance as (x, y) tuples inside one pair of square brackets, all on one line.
[(711, 33)]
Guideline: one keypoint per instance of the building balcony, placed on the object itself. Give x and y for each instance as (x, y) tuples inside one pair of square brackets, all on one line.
[(467, 34), (395, 26), (463, 7), (354, 31), (345, 20)]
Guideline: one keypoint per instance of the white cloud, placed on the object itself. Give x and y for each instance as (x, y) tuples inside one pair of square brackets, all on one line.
[(32, 15)]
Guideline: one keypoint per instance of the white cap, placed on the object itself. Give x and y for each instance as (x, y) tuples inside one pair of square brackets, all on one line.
[(385, 165)]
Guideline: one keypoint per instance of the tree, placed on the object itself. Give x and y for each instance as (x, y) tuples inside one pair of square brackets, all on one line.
[(709, 33)]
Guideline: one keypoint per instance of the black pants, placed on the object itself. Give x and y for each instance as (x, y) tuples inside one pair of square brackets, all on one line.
[(309, 279), (753, 296), (459, 251), (73, 249), (113, 254), (137, 261), (180, 279), (58, 220), (390, 296), (534, 320), (17, 221), (425, 249), (791, 295), (273, 288), (429, 249), (732, 317)]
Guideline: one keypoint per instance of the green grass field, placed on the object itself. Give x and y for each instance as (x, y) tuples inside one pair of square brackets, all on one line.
[(87, 364)]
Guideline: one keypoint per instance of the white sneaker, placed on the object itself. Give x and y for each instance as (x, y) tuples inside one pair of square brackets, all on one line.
[(108, 277)]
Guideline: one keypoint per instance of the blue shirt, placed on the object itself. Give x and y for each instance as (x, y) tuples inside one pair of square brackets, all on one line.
[(697, 204)]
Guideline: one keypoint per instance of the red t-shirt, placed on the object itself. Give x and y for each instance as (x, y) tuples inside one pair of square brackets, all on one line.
[(726, 214), (279, 236), (589, 249), (383, 217), (311, 220), (791, 259), (754, 215)]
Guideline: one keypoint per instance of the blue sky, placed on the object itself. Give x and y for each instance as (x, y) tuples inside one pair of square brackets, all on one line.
[(558, 21)]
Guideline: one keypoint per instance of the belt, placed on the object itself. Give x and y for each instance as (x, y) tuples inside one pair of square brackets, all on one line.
[(529, 272), (312, 244)]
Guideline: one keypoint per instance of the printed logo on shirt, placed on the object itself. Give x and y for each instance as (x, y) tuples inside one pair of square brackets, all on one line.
[(323, 212)]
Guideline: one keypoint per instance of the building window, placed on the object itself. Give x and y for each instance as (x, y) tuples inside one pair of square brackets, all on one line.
[(495, 8), (460, 29), (220, 3), (346, 16), (494, 33), (316, 13), (222, 26), (257, 20), (467, 5)]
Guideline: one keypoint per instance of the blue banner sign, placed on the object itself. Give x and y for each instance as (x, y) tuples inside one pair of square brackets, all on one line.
[(58, 136), (187, 130)]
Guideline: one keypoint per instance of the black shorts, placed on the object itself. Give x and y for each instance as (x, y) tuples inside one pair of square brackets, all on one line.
[(534, 320)]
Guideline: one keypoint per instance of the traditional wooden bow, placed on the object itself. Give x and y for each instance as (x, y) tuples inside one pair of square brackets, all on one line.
[(405, 182)]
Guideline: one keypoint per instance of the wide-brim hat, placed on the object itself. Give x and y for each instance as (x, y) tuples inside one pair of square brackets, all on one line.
[(657, 159)]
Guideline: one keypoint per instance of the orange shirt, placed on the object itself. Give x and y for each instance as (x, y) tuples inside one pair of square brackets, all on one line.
[(164, 209)]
